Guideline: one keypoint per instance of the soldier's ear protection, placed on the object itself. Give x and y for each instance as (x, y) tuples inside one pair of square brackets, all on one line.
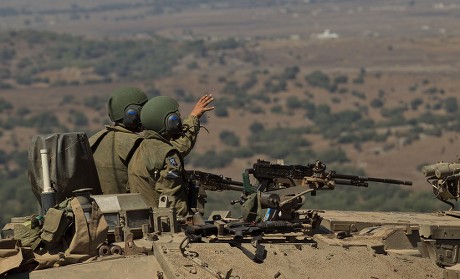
[(132, 117), (173, 125)]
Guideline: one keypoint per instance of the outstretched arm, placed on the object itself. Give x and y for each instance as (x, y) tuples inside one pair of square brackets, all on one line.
[(191, 125)]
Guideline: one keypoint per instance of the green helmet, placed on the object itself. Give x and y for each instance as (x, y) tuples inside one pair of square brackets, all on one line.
[(122, 98), (161, 114)]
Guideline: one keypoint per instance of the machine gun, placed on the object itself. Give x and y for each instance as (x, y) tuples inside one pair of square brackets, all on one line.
[(445, 180), (281, 188), (213, 182), (273, 176), (199, 181)]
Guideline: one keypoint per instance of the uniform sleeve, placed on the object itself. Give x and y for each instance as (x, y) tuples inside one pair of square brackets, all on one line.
[(184, 144), (171, 182), (143, 174)]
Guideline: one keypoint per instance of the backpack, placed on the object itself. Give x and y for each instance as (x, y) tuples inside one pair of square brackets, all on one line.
[(66, 237)]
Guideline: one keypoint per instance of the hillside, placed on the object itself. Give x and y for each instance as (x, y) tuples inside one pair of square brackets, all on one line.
[(380, 105)]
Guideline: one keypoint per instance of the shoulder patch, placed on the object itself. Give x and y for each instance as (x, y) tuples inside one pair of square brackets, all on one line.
[(173, 161)]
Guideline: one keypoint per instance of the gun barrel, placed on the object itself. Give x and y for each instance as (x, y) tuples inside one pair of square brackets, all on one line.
[(356, 183), (222, 187), (391, 181), (214, 182), (373, 179)]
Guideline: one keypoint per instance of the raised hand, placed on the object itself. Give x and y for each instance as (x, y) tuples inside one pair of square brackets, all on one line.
[(202, 105)]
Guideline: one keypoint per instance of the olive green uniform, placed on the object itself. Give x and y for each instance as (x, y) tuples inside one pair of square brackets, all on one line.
[(185, 144), (114, 146), (155, 169), (112, 149)]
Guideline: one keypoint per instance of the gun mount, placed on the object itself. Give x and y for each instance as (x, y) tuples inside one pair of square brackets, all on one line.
[(445, 180), (281, 188)]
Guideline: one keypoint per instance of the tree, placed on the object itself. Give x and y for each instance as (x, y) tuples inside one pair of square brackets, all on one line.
[(376, 103), (290, 73), (318, 79), (79, 118), (256, 127), (451, 105), (293, 102), (415, 103), (221, 111), (341, 79), (229, 138), (5, 105)]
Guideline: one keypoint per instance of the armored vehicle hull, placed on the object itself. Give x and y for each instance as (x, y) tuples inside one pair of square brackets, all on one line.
[(348, 244)]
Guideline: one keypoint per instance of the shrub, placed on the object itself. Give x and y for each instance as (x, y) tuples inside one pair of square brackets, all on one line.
[(192, 65), (152, 92), (256, 127), (230, 43), (341, 79), (276, 109), (318, 79), (79, 118), (24, 79), (221, 111), (290, 73), (5, 105), (7, 54), (244, 152), (333, 156), (45, 119), (5, 73), (211, 159), (275, 86), (22, 111), (413, 87), (415, 103), (293, 102), (359, 95), (250, 83), (256, 109), (179, 92), (377, 103), (451, 105), (431, 90), (358, 80), (94, 102), (229, 138)]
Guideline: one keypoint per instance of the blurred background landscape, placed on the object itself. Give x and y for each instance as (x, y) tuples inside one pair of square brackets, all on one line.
[(368, 87)]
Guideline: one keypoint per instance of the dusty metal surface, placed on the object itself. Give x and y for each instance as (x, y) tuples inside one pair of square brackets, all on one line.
[(110, 267)]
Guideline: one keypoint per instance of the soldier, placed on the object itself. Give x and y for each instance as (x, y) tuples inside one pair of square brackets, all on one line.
[(156, 167), (114, 145)]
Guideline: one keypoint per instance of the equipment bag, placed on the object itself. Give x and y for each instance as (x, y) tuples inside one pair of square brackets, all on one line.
[(71, 164), (28, 232)]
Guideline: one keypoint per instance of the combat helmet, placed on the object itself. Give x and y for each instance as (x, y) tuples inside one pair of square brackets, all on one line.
[(125, 105), (161, 114)]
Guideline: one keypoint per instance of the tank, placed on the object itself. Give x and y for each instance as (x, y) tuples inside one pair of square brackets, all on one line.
[(277, 236)]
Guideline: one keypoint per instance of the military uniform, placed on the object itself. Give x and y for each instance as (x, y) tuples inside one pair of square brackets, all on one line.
[(112, 149), (185, 144), (114, 146), (156, 168)]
